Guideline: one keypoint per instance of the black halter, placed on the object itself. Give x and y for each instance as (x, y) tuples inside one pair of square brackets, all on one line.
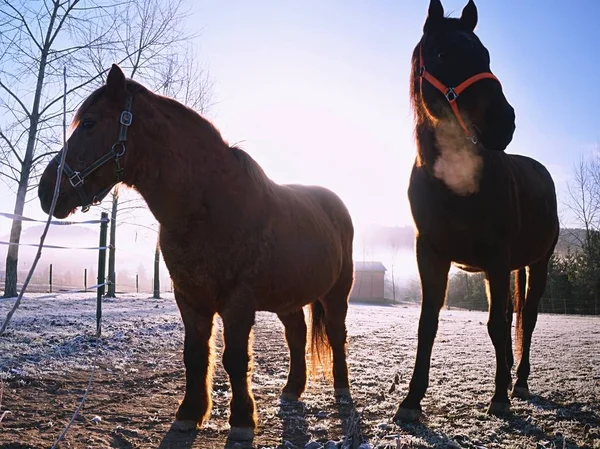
[(117, 150)]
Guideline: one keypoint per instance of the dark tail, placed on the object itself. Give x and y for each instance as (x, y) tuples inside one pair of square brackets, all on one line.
[(320, 348), (520, 283)]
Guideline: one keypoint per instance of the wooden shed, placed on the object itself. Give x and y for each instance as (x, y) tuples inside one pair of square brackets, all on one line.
[(369, 279)]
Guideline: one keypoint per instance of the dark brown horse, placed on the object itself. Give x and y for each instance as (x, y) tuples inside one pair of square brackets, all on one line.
[(473, 204), (234, 241)]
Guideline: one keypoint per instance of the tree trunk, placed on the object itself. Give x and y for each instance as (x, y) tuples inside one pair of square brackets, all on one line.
[(112, 246), (12, 256), (157, 271)]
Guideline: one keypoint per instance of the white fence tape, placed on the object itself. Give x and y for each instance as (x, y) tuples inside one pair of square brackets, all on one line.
[(62, 292)]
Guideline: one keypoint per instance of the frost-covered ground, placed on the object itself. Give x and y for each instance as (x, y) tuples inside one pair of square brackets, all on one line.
[(46, 355)]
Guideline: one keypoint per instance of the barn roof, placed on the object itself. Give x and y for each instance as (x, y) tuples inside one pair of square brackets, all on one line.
[(369, 266)]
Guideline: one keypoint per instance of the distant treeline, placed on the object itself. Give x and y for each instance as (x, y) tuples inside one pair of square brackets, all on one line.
[(573, 285)]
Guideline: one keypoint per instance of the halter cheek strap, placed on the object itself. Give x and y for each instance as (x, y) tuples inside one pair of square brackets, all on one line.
[(452, 93), (76, 178)]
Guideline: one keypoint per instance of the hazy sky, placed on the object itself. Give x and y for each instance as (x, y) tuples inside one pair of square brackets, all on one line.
[(317, 90)]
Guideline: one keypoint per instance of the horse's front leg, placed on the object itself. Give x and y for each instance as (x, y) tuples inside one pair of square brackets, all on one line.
[(499, 286), (198, 360), (238, 319), (433, 271)]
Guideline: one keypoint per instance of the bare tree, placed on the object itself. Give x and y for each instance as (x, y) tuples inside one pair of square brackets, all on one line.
[(584, 204), (584, 196), (37, 39)]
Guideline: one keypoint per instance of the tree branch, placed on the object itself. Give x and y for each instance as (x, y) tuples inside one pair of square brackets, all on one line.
[(62, 20), (43, 155), (15, 97), (11, 146), (24, 22)]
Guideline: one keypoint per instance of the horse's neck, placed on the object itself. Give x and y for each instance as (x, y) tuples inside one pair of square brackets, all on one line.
[(447, 155), (208, 190), (185, 171)]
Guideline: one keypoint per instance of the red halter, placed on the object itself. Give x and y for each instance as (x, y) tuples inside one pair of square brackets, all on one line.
[(452, 93)]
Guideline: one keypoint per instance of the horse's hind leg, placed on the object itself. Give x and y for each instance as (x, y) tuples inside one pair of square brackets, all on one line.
[(510, 360), (526, 320), (295, 335), (197, 357), (335, 303), (237, 325)]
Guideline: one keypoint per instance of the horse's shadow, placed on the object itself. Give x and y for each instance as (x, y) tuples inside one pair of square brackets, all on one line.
[(294, 423), (296, 428), (513, 423), (352, 435), (175, 439)]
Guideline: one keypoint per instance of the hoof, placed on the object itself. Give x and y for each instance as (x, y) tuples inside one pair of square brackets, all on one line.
[(342, 393), (289, 397), (241, 434), (498, 408), (407, 414), (520, 392), (184, 425)]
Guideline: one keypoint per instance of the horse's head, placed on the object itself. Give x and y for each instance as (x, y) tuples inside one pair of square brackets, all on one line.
[(96, 158), (452, 81)]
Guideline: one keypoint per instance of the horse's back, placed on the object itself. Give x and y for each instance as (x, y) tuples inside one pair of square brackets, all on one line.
[(321, 203), (533, 177), (309, 242)]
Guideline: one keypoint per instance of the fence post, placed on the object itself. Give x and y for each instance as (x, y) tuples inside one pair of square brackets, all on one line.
[(50, 278), (156, 280), (85, 279), (101, 270), (137, 283)]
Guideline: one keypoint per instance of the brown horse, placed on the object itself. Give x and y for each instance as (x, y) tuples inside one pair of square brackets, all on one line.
[(473, 204), (234, 241)]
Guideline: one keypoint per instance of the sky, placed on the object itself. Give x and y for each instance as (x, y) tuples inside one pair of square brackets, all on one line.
[(317, 91)]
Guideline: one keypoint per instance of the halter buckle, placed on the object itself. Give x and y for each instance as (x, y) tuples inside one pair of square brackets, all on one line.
[(84, 209), (126, 118), (451, 95), (120, 153), (75, 179)]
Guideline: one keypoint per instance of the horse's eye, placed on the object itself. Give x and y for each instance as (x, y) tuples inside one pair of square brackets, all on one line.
[(442, 56), (87, 124)]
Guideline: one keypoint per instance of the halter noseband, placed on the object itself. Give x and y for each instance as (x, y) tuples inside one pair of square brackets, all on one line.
[(452, 93), (76, 178)]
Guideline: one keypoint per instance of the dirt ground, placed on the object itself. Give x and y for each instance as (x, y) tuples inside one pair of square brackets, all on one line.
[(46, 357)]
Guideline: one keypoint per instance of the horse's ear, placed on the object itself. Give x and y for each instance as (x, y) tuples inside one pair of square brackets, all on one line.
[(116, 84), (468, 18), (435, 14)]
